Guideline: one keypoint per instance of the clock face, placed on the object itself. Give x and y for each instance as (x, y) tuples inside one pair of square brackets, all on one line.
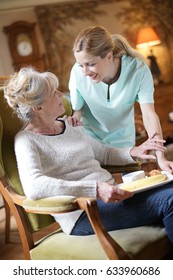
[(24, 48)]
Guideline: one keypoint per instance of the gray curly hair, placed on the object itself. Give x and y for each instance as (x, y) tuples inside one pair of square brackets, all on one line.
[(28, 88)]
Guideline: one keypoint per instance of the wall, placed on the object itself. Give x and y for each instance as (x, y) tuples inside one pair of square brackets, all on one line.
[(59, 24)]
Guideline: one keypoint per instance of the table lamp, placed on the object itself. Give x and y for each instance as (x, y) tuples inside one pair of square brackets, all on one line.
[(147, 37)]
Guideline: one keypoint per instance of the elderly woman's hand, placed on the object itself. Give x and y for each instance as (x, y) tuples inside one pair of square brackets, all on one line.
[(111, 193)]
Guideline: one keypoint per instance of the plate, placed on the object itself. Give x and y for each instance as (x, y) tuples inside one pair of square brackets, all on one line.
[(170, 179)]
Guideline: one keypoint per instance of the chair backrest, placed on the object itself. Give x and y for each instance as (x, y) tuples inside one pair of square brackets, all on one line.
[(9, 126)]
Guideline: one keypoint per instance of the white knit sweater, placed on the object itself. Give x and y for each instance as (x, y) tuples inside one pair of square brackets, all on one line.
[(64, 164)]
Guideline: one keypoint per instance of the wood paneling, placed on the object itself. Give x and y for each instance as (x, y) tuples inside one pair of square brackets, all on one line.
[(163, 97)]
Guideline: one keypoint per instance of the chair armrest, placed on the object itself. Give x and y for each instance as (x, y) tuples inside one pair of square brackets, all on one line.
[(50, 205), (123, 168), (60, 204), (9, 193), (109, 245)]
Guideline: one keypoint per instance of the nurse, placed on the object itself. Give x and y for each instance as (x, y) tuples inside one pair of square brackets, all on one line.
[(109, 76)]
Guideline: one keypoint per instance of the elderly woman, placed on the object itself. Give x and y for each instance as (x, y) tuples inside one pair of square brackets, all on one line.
[(55, 158)]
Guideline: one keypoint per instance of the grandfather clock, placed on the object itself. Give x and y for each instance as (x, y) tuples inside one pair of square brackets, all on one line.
[(24, 46)]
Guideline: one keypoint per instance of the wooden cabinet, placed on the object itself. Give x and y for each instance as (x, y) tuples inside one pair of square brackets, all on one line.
[(163, 97), (163, 105)]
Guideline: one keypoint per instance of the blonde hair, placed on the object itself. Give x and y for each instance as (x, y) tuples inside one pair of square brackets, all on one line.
[(28, 88), (97, 41)]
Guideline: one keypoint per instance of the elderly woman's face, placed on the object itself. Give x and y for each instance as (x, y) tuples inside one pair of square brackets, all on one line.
[(95, 67), (53, 105)]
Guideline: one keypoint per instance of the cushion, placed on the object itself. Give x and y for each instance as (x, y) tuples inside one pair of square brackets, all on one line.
[(140, 243)]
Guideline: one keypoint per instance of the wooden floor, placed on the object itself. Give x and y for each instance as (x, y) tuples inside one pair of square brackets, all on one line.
[(12, 250)]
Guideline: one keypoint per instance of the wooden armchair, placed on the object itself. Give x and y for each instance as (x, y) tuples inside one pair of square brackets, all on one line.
[(148, 242)]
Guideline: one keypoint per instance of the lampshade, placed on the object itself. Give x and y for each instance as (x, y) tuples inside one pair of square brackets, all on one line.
[(147, 37)]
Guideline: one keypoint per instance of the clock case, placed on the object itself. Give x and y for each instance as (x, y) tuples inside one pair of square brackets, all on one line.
[(29, 29)]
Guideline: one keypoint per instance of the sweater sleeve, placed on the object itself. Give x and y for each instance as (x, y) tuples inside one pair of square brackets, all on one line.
[(110, 156), (36, 184)]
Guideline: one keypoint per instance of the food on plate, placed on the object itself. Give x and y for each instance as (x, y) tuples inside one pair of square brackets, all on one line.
[(154, 172), (143, 183), (136, 175)]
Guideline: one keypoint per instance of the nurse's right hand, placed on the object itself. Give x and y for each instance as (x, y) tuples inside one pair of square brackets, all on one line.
[(73, 121)]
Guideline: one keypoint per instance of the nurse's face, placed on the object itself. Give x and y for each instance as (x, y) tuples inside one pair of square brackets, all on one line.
[(95, 67)]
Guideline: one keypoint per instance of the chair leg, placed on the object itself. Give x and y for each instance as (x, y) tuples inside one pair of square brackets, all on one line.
[(7, 222)]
